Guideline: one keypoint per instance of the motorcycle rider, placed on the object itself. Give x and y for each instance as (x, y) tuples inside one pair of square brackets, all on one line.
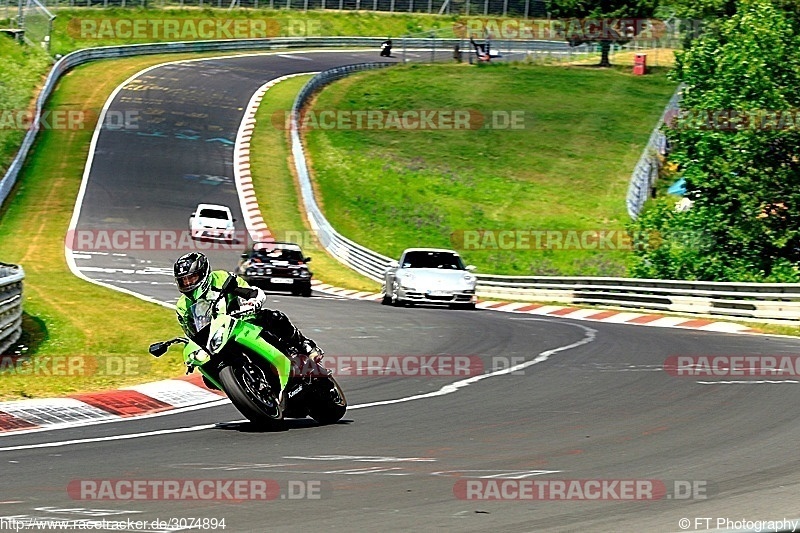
[(196, 280), (386, 47)]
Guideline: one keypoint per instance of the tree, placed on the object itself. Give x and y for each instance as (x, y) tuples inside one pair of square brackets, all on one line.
[(607, 22), (737, 144)]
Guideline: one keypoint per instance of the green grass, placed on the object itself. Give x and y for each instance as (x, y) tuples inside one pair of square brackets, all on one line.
[(278, 196), (73, 29), (568, 168), (22, 69), (66, 316)]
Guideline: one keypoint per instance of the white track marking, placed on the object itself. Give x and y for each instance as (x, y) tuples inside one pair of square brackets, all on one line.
[(445, 390), (287, 56), (254, 222), (109, 438), (217, 403), (453, 387), (753, 382)]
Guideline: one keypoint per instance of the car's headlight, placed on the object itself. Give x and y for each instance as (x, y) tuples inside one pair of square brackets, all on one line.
[(406, 280), (469, 278), (216, 340)]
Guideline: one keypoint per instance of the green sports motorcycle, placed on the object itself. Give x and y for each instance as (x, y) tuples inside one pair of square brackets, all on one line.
[(263, 383)]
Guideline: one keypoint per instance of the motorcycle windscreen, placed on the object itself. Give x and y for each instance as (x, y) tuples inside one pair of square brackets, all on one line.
[(200, 320)]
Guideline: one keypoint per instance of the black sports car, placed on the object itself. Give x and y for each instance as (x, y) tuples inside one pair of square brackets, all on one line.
[(277, 266)]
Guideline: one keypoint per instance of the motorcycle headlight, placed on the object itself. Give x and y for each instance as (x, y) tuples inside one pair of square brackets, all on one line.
[(200, 356), (216, 341), (304, 274)]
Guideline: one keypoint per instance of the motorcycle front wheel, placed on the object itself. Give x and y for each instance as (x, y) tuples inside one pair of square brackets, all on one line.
[(250, 392)]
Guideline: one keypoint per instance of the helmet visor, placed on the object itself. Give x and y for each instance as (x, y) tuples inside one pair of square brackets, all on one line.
[(189, 281)]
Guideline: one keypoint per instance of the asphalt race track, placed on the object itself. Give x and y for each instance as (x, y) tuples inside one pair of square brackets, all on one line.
[(592, 403)]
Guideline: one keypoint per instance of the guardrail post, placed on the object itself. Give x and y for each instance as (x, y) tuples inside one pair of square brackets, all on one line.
[(11, 279)]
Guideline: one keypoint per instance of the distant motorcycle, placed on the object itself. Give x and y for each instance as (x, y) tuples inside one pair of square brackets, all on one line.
[(386, 48), (234, 358)]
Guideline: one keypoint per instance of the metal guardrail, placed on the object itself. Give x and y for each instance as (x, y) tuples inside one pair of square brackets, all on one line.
[(757, 301), (11, 277), (359, 258), (645, 173), (764, 301)]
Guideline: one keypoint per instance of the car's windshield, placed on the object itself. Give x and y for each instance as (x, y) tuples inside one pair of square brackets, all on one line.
[(214, 213), (278, 254), (443, 260)]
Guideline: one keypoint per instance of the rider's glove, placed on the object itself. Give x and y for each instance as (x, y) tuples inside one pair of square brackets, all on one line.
[(246, 311), (313, 351)]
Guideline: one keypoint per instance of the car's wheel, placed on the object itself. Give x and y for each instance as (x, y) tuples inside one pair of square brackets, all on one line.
[(387, 298), (396, 301), (466, 307)]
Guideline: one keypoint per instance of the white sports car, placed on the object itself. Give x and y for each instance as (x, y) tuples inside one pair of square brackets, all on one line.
[(430, 275), (211, 221)]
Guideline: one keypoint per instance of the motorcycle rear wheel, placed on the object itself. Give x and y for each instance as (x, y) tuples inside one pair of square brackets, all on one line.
[(326, 403)]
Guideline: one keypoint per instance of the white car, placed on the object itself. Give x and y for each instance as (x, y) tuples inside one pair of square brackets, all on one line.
[(211, 221), (430, 275)]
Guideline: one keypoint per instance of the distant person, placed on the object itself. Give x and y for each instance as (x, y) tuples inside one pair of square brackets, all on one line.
[(481, 50), (457, 53), (386, 48)]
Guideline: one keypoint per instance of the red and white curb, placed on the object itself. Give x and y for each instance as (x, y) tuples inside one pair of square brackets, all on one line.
[(256, 226), (576, 313), (149, 399)]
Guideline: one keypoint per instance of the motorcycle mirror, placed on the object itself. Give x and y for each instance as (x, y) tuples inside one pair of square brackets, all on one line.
[(158, 349)]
